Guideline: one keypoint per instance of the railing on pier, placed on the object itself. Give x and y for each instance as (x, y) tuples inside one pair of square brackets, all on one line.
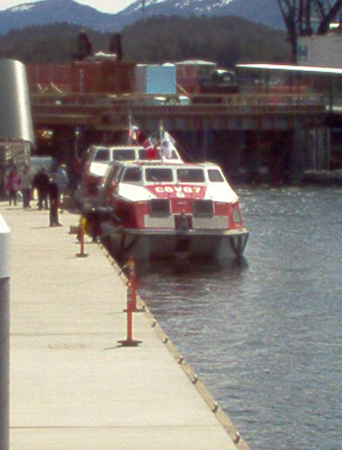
[(101, 110), (132, 100)]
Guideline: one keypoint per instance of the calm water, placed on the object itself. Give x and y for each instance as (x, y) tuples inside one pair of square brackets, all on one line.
[(265, 335)]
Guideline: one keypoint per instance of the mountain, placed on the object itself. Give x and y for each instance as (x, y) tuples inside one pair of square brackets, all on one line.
[(56, 11), (266, 12), (53, 11)]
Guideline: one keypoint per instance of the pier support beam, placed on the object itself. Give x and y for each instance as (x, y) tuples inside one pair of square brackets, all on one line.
[(4, 333), (196, 144), (228, 145), (319, 149), (297, 156), (252, 156), (279, 157)]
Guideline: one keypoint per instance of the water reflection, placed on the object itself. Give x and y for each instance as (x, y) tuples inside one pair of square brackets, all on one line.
[(185, 286), (192, 269), (264, 332)]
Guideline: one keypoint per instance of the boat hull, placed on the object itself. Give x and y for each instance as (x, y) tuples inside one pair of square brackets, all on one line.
[(163, 244)]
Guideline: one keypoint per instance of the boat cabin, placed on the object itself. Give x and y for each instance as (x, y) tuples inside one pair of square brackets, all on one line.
[(145, 181), (100, 157), (107, 154)]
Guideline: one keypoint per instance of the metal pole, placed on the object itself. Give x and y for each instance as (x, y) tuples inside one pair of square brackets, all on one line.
[(4, 332), (129, 342)]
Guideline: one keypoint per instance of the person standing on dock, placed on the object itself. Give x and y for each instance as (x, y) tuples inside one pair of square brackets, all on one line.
[(41, 183), (62, 181), (13, 186), (54, 198), (26, 186)]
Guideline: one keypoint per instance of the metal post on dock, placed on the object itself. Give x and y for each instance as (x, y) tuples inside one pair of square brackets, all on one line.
[(4, 332), (132, 282), (81, 233), (129, 341)]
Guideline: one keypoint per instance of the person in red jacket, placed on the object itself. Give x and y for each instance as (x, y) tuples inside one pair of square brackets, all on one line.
[(13, 186)]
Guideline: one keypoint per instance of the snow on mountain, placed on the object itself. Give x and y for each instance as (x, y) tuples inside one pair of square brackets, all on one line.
[(22, 7), (195, 5)]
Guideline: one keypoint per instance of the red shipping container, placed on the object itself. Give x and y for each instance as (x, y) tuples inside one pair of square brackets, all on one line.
[(46, 75), (102, 77)]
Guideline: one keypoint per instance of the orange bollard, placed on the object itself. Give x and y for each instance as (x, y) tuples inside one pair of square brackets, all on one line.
[(82, 253), (129, 341)]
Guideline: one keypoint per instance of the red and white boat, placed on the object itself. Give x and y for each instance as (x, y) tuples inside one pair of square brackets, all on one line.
[(164, 210), (99, 157)]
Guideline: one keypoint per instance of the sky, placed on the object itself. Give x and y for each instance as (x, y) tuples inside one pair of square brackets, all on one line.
[(109, 6)]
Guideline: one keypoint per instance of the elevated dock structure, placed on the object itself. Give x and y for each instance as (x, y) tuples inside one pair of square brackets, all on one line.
[(233, 130), (72, 384), (253, 111)]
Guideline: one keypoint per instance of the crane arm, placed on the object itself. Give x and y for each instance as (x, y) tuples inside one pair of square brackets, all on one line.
[(324, 25)]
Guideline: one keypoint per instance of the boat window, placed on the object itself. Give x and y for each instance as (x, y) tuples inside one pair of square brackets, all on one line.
[(132, 174), (124, 155), (102, 155), (154, 174), (159, 207), (190, 175), (215, 175), (203, 208), (149, 155)]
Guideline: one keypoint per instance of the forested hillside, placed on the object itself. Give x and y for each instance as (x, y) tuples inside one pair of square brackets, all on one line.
[(225, 40)]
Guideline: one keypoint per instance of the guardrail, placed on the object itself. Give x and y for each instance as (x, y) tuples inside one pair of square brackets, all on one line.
[(111, 112), (218, 104), (176, 99)]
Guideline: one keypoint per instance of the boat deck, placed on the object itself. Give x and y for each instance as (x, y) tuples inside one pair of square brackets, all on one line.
[(72, 385)]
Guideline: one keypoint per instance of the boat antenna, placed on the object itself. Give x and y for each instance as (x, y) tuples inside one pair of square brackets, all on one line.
[(161, 136), (161, 131)]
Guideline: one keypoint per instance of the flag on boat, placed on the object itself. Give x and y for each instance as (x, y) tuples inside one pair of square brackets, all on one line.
[(167, 146), (133, 134), (151, 148)]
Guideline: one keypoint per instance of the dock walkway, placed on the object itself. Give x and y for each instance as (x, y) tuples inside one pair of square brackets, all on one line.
[(72, 386)]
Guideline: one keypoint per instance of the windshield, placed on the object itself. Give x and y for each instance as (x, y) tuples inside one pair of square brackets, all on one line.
[(159, 175), (190, 175), (102, 155), (132, 174), (215, 175), (124, 155)]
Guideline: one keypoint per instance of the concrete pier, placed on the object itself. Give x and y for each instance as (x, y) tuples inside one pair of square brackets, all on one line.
[(4, 333), (72, 385)]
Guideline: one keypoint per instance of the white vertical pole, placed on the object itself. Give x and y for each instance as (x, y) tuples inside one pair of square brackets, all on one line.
[(161, 136), (4, 332)]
